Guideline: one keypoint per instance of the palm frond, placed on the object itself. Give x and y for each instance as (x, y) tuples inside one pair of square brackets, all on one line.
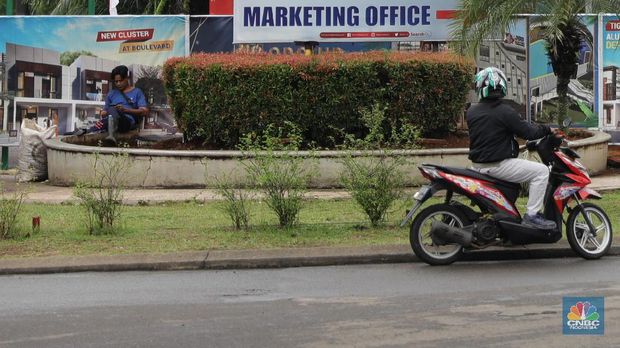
[(605, 6), (80, 7), (479, 20)]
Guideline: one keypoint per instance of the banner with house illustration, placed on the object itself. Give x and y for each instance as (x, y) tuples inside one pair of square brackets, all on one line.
[(610, 81), (508, 52), (583, 108), (57, 68)]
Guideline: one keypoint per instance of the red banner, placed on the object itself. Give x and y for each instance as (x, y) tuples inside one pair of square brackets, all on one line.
[(126, 35), (612, 26), (446, 14)]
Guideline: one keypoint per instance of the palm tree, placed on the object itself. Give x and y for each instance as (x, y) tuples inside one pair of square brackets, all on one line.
[(80, 7), (559, 21)]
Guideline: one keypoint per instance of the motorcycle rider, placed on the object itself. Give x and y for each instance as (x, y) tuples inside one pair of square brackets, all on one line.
[(493, 149)]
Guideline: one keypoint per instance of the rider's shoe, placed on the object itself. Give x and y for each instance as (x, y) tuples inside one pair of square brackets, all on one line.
[(538, 221)]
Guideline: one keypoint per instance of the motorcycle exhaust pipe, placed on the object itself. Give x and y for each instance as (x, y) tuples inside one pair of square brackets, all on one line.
[(441, 232)]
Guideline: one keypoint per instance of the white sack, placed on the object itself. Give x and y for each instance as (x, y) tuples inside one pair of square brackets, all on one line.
[(32, 157)]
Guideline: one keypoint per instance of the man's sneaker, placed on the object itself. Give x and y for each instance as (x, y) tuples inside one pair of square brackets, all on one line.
[(79, 132), (538, 221)]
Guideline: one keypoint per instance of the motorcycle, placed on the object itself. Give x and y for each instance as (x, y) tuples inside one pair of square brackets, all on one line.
[(442, 232)]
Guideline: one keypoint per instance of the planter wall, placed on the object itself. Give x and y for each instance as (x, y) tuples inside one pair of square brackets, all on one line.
[(68, 163)]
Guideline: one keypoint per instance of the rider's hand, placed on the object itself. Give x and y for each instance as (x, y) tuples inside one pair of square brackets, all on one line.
[(558, 133)]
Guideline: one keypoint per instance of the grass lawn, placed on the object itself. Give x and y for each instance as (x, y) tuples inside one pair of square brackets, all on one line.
[(194, 226)]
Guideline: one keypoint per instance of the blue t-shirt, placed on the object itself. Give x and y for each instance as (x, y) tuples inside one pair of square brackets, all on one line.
[(135, 96)]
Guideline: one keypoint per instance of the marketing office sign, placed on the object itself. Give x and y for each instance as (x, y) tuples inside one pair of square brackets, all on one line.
[(260, 21)]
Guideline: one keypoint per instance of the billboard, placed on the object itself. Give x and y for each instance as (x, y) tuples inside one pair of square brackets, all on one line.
[(509, 54), (610, 75), (57, 69), (214, 34), (259, 21), (583, 108)]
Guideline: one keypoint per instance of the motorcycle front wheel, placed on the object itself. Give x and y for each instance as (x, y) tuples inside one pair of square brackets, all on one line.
[(420, 234), (589, 244)]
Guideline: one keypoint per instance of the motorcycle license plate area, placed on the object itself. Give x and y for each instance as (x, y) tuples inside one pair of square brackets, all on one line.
[(422, 192)]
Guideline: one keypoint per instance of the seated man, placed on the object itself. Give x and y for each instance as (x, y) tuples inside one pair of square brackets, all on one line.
[(124, 106)]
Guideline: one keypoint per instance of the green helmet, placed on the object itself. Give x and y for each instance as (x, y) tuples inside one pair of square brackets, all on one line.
[(491, 82)]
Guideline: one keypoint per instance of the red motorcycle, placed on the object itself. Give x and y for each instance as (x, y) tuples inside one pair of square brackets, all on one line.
[(441, 232)]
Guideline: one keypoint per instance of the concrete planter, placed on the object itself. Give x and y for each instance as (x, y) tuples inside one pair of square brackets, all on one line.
[(68, 163)]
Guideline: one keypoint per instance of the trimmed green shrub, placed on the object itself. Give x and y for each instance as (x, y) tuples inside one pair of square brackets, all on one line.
[(220, 97)]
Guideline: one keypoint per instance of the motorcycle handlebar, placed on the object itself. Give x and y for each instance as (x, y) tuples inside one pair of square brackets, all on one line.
[(556, 138)]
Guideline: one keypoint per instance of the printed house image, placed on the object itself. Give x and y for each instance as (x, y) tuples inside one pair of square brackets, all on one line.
[(90, 77), (37, 80), (34, 72), (611, 97), (510, 57)]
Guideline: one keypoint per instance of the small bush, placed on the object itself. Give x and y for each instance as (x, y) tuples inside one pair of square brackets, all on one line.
[(102, 198), (10, 206), (400, 135), (275, 170), (235, 202), (375, 182)]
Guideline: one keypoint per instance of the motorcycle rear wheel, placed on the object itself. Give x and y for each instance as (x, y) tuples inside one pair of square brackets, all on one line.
[(420, 234), (579, 236)]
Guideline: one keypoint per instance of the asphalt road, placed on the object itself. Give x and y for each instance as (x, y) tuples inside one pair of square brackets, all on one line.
[(468, 304)]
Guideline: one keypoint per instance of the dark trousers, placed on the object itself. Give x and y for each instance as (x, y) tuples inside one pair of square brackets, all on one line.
[(125, 124)]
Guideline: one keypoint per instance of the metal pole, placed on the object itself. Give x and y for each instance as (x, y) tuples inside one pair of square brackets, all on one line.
[(5, 158), (5, 150), (91, 7), (5, 118), (9, 7)]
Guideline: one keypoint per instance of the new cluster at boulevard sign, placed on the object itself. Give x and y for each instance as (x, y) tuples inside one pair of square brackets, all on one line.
[(263, 21), (135, 40), (144, 40)]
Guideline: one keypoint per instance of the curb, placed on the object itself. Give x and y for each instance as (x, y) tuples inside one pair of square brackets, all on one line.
[(276, 258)]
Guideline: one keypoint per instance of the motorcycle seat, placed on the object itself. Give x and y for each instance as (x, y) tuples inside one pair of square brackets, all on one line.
[(476, 175)]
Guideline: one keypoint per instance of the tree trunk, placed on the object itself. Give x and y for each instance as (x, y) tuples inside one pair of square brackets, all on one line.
[(563, 102)]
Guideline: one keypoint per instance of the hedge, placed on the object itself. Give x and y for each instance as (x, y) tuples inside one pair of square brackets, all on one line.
[(220, 97)]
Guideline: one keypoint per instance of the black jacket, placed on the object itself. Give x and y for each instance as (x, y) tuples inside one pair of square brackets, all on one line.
[(493, 126)]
